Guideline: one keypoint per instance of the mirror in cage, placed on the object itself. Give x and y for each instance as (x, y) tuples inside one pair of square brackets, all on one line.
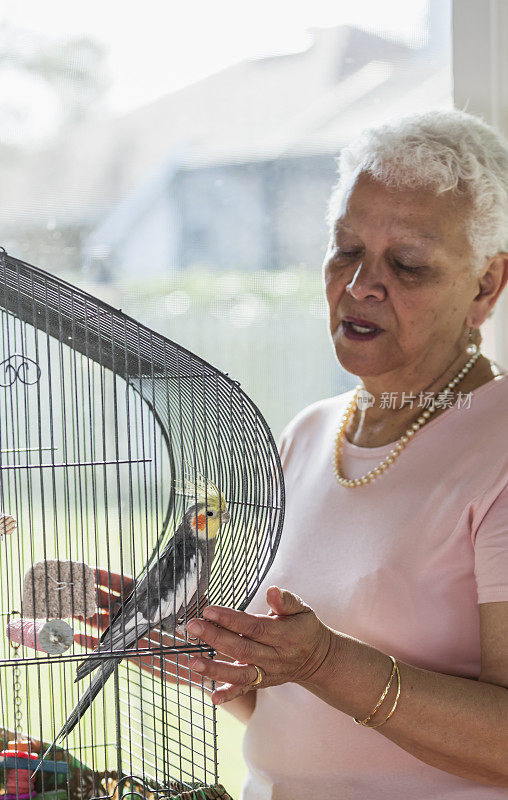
[(53, 636)]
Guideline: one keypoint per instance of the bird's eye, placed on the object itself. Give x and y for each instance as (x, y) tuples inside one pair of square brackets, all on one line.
[(209, 513)]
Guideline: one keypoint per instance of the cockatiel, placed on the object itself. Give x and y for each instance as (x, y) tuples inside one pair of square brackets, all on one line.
[(175, 581)]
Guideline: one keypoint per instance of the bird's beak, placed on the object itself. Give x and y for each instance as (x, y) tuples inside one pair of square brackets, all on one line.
[(224, 517)]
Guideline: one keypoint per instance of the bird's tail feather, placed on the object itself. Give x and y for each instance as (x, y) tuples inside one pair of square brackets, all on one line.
[(122, 638), (86, 667), (85, 701)]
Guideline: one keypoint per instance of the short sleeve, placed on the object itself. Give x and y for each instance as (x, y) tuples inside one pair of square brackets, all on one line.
[(282, 445), (491, 552)]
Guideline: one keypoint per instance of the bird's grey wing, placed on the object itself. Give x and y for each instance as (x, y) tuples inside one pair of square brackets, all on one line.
[(138, 613), (185, 580), (129, 625)]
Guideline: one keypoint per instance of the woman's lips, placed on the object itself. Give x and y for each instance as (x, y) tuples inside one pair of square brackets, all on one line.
[(358, 332)]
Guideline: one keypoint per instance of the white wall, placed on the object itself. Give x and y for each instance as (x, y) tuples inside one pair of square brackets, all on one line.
[(480, 77)]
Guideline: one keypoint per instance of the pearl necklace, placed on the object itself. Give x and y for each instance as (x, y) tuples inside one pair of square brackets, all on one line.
[(400, 444)]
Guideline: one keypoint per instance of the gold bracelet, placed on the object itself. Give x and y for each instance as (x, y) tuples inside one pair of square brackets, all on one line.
[(387, 689), (393, 707)]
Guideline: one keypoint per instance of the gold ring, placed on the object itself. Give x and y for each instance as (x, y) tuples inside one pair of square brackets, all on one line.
[(257, 680)]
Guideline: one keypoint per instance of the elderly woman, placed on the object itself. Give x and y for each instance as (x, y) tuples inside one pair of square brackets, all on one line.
[(396, 534)]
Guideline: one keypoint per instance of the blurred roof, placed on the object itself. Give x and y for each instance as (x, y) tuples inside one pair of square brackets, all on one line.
[(299, 104)]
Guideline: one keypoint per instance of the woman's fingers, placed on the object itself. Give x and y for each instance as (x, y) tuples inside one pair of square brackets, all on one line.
[(238, 674), (257, 627), (227, 692), (284, 603), (113, 581), (289, 645), (155, 641), (100, 620), (169, 669), (109, 589), (238, 647), (107, 599), (172, 672), (89, 642)]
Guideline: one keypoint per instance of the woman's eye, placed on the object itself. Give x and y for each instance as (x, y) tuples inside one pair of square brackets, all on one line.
[(348, 253), (404, 267)]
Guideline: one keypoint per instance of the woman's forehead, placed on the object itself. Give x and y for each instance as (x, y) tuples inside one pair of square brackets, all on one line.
[(416, 214), (414, 232)]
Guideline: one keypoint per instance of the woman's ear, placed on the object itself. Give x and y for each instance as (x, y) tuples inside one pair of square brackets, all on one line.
[(491, 283)]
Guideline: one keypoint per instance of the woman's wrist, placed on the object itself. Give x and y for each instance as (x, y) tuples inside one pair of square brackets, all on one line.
[(351, 676), (326, 665)]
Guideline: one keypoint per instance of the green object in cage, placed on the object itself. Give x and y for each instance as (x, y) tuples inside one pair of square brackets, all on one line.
[(54, 794), (204, 793)]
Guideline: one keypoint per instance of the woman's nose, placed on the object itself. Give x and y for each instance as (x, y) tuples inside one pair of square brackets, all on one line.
[(365, 283)]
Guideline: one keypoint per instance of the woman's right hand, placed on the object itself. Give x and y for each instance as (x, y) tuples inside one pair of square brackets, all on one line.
[(111, 588)]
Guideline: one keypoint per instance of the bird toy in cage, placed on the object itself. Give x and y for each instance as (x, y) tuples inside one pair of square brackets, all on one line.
[(54, 590), (59, 589), (53, 637), (15, 763), (124, 454), (46, 594)]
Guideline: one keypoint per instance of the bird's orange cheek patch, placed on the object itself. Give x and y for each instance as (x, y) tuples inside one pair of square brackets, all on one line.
[(200, 521)]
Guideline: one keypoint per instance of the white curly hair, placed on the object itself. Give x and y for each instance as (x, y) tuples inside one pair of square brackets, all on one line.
[(444, 151)]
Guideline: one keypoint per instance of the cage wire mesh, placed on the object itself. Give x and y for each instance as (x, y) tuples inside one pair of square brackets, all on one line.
[(115, 443)]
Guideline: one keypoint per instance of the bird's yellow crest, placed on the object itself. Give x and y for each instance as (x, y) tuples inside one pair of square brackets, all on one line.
[(199, 490)]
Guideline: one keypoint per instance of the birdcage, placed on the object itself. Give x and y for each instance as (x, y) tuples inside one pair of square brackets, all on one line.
[(114, 444)]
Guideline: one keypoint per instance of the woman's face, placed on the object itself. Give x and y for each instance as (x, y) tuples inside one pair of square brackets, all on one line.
[(398, 263)]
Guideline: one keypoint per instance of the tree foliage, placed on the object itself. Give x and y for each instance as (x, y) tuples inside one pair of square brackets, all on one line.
[(60, 80)]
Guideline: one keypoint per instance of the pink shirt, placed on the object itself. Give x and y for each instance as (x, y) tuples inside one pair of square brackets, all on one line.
[(402, 564)]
